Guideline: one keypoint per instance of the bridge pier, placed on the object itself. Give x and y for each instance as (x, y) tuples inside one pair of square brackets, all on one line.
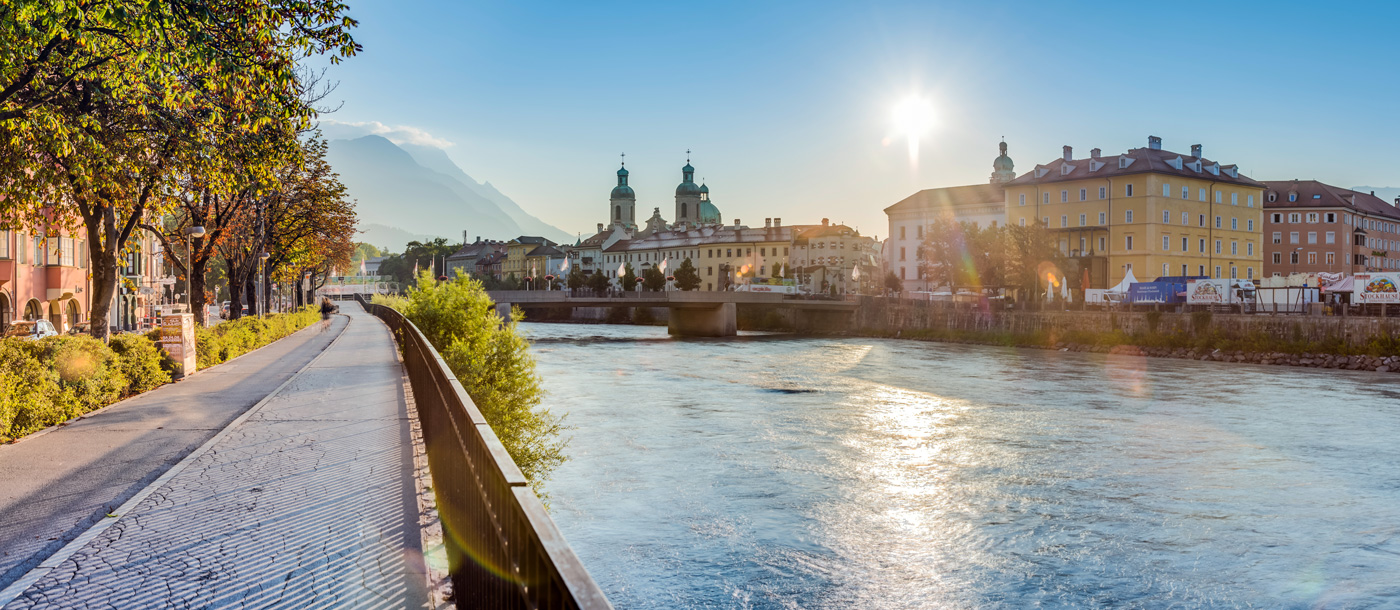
[(719, 321)]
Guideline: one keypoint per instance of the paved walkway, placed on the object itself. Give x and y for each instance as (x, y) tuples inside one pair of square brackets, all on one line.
[(307, 503)]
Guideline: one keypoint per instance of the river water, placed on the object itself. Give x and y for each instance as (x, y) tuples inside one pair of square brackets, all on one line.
[(781, 472)]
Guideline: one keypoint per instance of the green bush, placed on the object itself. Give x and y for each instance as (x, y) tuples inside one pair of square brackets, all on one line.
[(140, 361), (86, 370), (228, 340), (493, 362)]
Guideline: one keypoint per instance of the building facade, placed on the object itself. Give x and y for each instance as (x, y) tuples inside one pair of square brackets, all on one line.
[(1312, 227), (1149, 210), (43, 274), (829, 257)]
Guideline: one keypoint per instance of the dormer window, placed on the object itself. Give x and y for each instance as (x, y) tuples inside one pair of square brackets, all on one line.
[(1293, 196), (1272, 197), (1040, 171), (1066, 169), (1095, 165), (1124, 162), (1175, 163), (1195, 166), (1214, 169)]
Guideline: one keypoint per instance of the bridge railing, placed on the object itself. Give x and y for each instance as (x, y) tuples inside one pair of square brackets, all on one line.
[(503, 549)]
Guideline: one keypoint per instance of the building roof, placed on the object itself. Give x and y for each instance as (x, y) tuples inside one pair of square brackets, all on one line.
[(1144, 160), (491, 259), (951, 197), (1314, 194), (476, 249), (702, 237), (549, 251), (531, 239)]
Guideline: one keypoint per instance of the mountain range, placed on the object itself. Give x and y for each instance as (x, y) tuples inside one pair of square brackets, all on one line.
[(412, 192)]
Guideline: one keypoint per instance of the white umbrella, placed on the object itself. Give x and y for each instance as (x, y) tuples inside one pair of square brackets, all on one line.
[(1064, 288)]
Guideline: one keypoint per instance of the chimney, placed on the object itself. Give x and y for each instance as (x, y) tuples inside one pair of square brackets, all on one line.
[(478, 239), (826, 221), (767, 223), (1397, 202), (1196, 150), (600, 227), (1154, 142), (1095, 153), (1069, 153), (464, 237), (736, 223), (777, 222)]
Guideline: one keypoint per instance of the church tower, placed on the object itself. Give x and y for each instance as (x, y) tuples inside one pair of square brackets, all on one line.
[(622, 210), (1003, 170), (688, 196)]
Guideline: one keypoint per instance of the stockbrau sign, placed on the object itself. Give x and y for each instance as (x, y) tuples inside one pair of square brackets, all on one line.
[(177, 338), (1377, 287)]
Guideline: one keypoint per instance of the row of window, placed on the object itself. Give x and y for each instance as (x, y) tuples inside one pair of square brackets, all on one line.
[(1201, 270), (1128, 192), (1330, 237), (682, 254), (38, 250), (1166, 219), (1312, 217)]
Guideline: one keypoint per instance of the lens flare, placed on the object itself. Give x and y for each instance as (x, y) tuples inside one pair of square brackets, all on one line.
[(912, 118)]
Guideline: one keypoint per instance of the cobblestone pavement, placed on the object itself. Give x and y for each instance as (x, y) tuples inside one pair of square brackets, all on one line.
[(306, 504)]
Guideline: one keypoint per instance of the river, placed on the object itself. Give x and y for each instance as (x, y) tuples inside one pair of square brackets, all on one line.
[(770, 471)]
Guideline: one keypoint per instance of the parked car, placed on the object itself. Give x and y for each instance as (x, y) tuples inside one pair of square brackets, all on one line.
[(81, 328), (32, 330)]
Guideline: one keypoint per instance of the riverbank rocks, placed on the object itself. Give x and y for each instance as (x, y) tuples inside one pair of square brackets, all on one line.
[(1379, 364)]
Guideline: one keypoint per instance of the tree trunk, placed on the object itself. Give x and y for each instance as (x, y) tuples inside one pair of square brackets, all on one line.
[(196, 286), (104, 286), (251, 289)]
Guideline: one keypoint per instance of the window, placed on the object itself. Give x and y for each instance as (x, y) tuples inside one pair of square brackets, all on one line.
[(1312, 237), (1166, 243), (1185, 192), (1128, 242), (1293, 237), (1331, 258), (1234, 198), (1249, 248), (1083, 220), (1312, 216), (1128, 216), (1278, 218), (1203, 198), (1127, 190), (1023, 199), (1128, 267), (1046, 198), (1200, 270), (1312, 258), (1103, 218), (1184, 246), (1185, 219), (901, 254), (1249, 273), (901, 273), (1064, 220), (901, 233), (1183, 270), (763, 252), (1165, 271), (1023, 221), (1278, 258), (1249, 201), (1234, 248), (1234, 224), (1331, 217), (1081, 244), (1103, 192), (729, 252), (1295, 217), (1217, 246), (785, 251), (1166, 217), (1045, 221), (1083, 194), (1103, 244), (1249, 225), (1233, 271), (1064, 196), (1166, 190), (1217, 196), (1203, 249), (1201, 218), (1293, 257), (1217, 272), (1278, 237), (1217, 222), (4, 244), (1330, 238)]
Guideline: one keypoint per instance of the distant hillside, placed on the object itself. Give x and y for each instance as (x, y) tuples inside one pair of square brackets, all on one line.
[(400, 199)]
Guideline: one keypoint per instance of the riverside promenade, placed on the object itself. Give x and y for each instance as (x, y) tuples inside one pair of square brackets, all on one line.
[(282, 479)]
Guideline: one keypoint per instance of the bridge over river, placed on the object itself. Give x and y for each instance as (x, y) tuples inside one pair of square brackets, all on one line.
[(697, 313)]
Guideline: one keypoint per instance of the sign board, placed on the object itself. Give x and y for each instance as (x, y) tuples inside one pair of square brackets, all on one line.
[(1207, 292), (1377, 288), (177, 339)]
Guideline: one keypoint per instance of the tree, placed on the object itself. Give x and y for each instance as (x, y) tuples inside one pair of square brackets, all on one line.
[(777, 271), (1032, 254), (687, 276), (599, 281), (893, 283), (576, 278), (653, 280), (629, 278)]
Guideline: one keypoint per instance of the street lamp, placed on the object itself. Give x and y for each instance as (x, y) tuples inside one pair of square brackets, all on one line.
[(190, 234), (262, 282)]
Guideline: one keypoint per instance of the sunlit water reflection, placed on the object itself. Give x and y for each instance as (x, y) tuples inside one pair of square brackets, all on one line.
[(776, 472)]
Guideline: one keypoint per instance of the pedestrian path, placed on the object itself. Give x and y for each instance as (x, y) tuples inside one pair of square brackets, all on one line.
[(307, 503)]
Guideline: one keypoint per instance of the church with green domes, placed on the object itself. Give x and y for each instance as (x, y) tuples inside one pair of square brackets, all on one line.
[(694, 208)]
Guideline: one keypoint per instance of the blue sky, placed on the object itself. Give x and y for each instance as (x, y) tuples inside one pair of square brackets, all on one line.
[(787, 105)]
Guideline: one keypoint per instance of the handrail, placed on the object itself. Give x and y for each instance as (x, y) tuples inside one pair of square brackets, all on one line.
[(503, 549)]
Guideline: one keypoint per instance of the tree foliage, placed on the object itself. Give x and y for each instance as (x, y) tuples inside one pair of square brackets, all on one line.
[(629, 278), (687, 276), (963, 255), (653, 280)]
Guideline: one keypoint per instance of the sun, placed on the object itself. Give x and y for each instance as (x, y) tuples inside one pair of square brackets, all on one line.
[(913, 117)]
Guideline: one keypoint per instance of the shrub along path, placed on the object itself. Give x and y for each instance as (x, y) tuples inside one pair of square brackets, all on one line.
[(54, 486)]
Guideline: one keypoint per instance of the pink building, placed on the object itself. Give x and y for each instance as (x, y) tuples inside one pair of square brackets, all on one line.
[(43, 276)]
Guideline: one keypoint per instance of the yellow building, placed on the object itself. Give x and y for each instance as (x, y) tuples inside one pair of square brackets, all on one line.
[(1152, 211), (719, 253), (523, 253)]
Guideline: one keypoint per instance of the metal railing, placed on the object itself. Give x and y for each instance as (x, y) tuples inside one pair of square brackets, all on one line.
[(503, 549)]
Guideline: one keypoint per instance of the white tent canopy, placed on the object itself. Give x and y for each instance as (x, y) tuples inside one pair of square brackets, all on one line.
[(1122, 287)]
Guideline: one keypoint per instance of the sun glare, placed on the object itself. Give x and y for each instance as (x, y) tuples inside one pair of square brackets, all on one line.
[(913, 117)]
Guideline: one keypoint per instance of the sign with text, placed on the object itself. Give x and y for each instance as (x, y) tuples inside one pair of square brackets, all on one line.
[(1207, 292), (177, 339), (1377, 287)]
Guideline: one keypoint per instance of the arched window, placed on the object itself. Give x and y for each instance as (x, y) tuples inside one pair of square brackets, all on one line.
[(32, 310), (5, 313), (73, 314), (617, 213), (683, 214)]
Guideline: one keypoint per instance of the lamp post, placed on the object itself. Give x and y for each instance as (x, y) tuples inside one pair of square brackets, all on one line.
[(262, 283), (190, 234)]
